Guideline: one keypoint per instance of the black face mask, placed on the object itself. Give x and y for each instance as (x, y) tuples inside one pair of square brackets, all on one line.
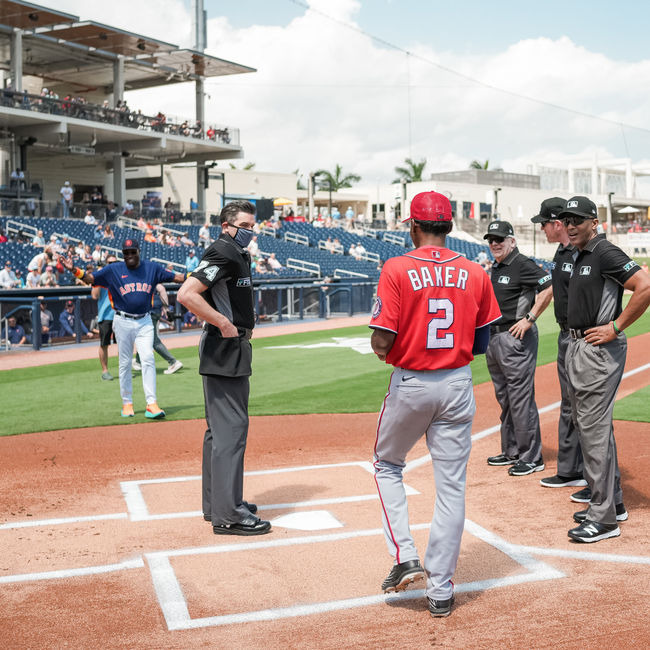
[(243, 236)]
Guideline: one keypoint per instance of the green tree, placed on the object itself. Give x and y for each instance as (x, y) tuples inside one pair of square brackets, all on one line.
[(299, 184), (247, 166), (325, 180), (410, 172), (477, 164)]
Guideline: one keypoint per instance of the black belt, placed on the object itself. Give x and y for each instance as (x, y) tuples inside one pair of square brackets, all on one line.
[(564, 327), (133, 316), (497, 329), (242, 332), (576, 334)]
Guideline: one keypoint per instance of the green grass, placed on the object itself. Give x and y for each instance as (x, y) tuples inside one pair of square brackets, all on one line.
[(634, 407), (285, 381)]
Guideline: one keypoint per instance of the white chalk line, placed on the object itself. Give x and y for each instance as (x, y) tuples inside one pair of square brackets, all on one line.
[(135, 563), (62, 520)]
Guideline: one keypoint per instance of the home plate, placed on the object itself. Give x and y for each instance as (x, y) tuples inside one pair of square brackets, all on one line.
[(310, 520)]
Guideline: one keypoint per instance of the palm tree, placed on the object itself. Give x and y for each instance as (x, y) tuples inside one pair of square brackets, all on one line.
[(411, 172), (247, 166), (333, 182), (477, 164), (299, 184)]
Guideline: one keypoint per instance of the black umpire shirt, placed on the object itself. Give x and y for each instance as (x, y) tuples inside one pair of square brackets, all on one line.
[(561, 273), (596, 287), (225, 269), (516, 280)]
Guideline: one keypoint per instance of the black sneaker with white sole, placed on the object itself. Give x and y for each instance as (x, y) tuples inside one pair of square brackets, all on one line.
[(440, 608), (502, 459), (621, 514), (558, 481), (593, 531), (521, 469), (584, 496), (402, 575)]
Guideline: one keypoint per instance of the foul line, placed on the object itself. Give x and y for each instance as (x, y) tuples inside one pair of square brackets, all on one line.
[(136, 563), (62, 520)]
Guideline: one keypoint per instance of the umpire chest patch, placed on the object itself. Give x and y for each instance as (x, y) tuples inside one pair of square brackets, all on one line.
[(244, 282), (585, 270), (567, 267), (504, 279)]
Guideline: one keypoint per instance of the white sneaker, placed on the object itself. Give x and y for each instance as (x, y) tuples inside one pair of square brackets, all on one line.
[(135, 365), (177, 365)]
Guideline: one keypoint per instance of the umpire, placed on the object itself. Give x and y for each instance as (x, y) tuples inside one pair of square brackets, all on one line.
[(523, 291), (220, 292), (596, 357), (569, 454)]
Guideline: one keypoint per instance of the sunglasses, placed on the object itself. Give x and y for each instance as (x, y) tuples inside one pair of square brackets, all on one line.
[(495, 240), (574, 220)]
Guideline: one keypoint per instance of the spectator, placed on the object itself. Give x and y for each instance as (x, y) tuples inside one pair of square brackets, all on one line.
[(3, 237), (190, 319), (274, 263), (204, 235), (185, 240), (40, 261), (15, 332), (128, 208), (191, 261), (39, 240), (66, 199), (253, 247), (96, 255), (19, 279), (90, 218), (150, 237), (8, 277), (96, 196), (33, 279), (55, 244), (193, 205), (17, 179), (108, 232), (349, 216), (99, 233), (46, 323), (48, 279), (142, 224), (67, 322)]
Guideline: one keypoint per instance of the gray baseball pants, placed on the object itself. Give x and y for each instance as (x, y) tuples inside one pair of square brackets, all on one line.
[(224, 444), (511, 362), (569, 453), (595, 373), (438, 404)]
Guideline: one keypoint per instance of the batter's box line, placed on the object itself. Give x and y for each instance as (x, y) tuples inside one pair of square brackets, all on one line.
[(174, 606), (138, 510)]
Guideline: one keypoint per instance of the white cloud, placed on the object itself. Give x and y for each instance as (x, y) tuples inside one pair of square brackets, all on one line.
[(324, 94)]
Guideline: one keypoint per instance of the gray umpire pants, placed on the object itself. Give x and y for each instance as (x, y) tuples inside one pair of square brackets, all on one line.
[(595, 373), (569, 453), (438, 404), (224, 444), (511, 362)]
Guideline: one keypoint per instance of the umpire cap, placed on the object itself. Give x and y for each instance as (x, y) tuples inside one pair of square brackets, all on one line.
[(580, 206), (550, 210), (499, 229)]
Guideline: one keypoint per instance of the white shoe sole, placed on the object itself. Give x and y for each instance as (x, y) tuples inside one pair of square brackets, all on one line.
[(610, 533), (579, 482), (176, 368), (541, 468), (405, 582)]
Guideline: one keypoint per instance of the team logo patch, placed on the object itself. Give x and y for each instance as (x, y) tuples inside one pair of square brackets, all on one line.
[(630, 265), (572, 204), (504, 279), (567, 266), (435, 255), (493, 226), (376, 310), (585, 270), (244, 282)]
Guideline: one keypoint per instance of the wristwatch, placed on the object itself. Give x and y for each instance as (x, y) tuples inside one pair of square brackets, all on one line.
[(530, 318)]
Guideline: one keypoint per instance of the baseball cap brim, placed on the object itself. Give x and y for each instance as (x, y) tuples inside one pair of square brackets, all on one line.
[(576, 213)]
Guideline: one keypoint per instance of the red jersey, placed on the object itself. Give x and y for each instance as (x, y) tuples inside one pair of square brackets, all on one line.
[(433, 299)]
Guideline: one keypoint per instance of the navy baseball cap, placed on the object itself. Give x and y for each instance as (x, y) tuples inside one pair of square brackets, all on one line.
[(550, 210), (499, 229), (580, 206), (130, 244), (430, 206)]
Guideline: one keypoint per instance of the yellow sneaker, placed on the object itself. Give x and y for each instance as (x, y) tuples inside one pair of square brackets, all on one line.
[(127, 411), (154, 411)]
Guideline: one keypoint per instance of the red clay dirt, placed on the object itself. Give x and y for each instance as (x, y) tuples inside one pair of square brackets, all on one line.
[(576, 596)]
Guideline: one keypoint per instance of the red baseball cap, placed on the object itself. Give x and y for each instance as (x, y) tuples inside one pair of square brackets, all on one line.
[(430, 206)]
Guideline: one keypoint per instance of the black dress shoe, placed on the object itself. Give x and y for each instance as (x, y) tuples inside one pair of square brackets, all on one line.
[(250, 526), (251, 506)]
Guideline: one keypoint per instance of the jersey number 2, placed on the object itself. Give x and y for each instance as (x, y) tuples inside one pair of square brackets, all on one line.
[(443, 308)]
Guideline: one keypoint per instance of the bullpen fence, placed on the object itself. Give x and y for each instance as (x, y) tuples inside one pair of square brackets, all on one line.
[(274, 302)]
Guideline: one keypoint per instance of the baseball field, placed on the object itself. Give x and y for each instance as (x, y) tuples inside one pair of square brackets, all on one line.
[(104, 544)]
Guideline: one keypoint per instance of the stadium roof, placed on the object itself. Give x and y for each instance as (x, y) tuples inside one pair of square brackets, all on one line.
[(24, 15)]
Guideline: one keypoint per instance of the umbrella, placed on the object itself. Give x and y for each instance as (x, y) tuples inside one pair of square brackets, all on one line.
[(628, 209), (280, 201)]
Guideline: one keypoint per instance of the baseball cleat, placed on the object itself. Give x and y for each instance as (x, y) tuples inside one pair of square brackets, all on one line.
[(135, 365), (502, 459), (521, 468), (402, 575), (562, 481), (593, 531), (127, 411), (584, 496), (177, 365), (440, 608), (154, 411), (621, 514)]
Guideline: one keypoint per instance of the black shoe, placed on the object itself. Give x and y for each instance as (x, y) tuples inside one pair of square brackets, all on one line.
[(251, 506), (402, 575), (562, 481), (502, 459), (521, 469), (250, 526), (621, 514), (440, 608), (593, 531), (584, 496)]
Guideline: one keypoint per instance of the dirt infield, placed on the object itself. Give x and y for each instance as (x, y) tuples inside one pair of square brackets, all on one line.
[(104, 545)]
